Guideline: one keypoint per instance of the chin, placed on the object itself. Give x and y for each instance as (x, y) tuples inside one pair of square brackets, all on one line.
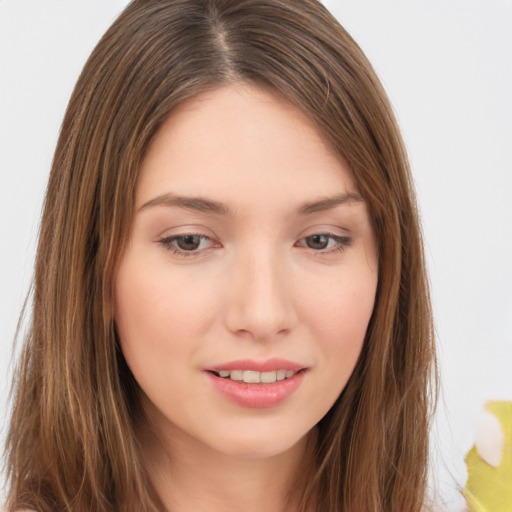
[(260, 443)]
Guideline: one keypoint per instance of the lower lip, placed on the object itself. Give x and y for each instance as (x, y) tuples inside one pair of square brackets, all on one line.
[(257, 395)]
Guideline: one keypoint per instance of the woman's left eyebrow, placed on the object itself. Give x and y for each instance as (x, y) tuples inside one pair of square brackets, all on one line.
[(327, 203)]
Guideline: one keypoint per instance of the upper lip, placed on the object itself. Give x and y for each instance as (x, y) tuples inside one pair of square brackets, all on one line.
[(268, 365)]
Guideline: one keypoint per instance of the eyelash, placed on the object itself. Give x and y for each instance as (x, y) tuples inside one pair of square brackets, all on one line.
[(170, 243), (341, 243)]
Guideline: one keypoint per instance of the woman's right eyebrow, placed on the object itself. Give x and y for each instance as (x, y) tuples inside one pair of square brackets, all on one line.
[(199, 204)]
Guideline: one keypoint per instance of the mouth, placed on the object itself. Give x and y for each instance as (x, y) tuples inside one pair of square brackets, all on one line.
[(256, 384), (255, 377)]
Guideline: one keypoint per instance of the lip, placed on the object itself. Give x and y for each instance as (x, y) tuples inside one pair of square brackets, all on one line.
[(257, 396), (269, 365)]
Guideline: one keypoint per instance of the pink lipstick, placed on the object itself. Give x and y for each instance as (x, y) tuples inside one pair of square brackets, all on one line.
[(257, 384)]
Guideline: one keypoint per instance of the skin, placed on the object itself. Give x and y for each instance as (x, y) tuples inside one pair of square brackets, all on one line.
[(258, 285)]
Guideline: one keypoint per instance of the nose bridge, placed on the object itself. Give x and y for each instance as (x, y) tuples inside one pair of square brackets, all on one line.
[(260, 299)]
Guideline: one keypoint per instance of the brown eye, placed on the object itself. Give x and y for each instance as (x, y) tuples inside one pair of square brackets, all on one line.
[(325, 243), (317, 242), (188, 242)]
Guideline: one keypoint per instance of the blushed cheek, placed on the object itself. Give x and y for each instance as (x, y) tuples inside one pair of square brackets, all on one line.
[(139, 304), (143, 330), (341, 314), (155, 318), (351, 301)]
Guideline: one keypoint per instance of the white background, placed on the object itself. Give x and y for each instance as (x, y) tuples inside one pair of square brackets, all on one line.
[(447, 68)]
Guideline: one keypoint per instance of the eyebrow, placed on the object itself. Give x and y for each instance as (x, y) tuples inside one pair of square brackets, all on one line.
[(203, 205), (199, 204), (329, 203)]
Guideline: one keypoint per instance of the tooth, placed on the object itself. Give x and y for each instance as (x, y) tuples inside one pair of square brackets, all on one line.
[(289, 373), (268, 377), (236, 375), (280, 374), (251, 377), (224, 373)]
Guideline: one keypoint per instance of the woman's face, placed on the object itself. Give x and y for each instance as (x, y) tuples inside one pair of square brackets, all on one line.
[(252, 258)]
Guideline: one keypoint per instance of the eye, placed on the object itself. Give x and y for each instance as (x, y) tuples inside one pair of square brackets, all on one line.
[(325, 242), (319, 242), (186, 244)]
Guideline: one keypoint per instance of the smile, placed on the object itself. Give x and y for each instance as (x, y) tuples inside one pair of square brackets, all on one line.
[(254, 389), (254, 377)]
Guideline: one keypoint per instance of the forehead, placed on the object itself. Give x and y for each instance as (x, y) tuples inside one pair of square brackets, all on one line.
[(241, 144)]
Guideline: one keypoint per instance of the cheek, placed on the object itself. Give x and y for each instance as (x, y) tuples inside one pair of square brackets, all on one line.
[(339, 317), (159, 317), (342, 305)]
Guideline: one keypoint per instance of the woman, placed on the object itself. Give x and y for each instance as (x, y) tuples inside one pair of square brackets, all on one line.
[(230, 309)]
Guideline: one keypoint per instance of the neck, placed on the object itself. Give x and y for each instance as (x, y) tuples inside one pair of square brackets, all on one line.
[(188, 476)]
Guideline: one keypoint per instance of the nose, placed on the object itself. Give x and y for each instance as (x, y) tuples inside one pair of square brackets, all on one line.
[(260, 304)]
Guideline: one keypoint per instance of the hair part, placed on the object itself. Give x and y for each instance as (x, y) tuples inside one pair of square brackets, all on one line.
[(72, 444)]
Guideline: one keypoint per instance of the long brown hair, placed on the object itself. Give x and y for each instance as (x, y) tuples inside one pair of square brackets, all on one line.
[(72, 444)]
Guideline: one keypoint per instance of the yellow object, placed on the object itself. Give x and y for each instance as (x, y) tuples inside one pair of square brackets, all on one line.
[(488, 488)]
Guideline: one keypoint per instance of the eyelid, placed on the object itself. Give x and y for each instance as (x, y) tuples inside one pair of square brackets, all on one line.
[(168, 243), (342, 242)]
